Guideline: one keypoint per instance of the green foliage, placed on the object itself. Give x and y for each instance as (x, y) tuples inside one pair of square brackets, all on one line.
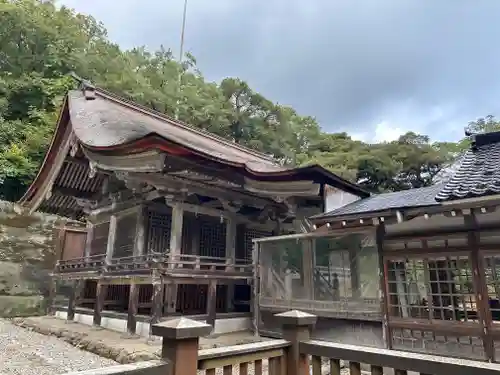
[(41, 43)]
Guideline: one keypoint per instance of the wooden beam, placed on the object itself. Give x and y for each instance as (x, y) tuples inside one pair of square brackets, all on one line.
[(166, 182), (71, 192), (219, 213)]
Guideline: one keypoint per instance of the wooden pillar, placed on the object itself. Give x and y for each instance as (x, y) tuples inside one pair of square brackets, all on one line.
[(133, 304), (354, 267), (231, 258), (176, 229), (480, 288), (384, 292), (308, 269), (157, 303), (74, 297), (180, 343), (88, 241), (297, 326), (51, 299), (140, 232), (211, 303), (101, 292), (254, 303), (111, 238), (175, 249), (59, 242)]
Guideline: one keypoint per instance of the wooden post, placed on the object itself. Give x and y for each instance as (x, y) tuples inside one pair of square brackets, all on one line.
[(101, 292), (75, 295), (181, 338), (231, 257), (483, 311), (211, 303), (297, 326), (169, 306), (383, 286), (133, 302), (59, 242), (354, 267), (51, 299), (111, 238), (175, 249), (140, 232), (254, 303), (157, 306), (308, 268), (88, 240)]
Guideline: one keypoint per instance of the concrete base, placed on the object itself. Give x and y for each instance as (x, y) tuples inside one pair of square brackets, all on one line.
[(222, 326)]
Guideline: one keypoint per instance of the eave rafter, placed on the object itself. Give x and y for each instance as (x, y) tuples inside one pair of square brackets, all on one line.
[(170, 183), (372, 220)]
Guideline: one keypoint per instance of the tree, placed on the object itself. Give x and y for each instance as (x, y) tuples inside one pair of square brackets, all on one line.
[(41, 43)]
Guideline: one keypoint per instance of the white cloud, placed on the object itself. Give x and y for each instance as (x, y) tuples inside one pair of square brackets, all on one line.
[(383, 132)]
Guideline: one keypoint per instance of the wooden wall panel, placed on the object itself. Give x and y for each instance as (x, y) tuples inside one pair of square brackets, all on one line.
[(73, 245)]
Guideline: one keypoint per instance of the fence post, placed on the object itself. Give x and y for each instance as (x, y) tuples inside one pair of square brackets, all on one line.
[(180, 343), (296, 326)]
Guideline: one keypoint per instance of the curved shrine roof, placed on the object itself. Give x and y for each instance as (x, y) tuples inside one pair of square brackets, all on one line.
[(106, 122), (110, 125)]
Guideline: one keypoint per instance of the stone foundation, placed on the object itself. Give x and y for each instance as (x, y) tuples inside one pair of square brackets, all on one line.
[(115, 345)]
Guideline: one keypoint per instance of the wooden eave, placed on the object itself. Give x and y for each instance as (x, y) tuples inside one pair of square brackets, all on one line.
[(313, 172)]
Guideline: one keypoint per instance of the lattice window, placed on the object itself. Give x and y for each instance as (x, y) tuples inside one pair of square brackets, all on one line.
[(248, 235), (99, 239), (125, 235), (159, 224), (212, 237), (432, 288)]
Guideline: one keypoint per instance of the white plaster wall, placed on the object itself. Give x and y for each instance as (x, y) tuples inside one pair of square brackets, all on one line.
[(335, 198), (120, 325)]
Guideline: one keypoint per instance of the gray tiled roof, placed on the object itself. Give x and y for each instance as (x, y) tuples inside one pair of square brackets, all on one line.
[(479, 172), (420, 197)]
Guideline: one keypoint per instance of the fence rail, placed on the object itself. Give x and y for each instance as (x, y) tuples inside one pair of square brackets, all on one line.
[(296, 354), (146, 262)]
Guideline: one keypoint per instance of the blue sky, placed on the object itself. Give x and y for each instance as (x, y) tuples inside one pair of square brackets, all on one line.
[(373, 68)]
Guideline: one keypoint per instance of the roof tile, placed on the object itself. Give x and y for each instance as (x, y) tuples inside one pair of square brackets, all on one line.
[(420, 197), (479, 172)]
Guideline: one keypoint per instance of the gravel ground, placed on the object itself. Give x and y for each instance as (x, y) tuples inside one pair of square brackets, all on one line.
[(23, 352)]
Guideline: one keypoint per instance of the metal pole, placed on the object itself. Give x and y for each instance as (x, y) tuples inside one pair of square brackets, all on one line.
[(181, 52)]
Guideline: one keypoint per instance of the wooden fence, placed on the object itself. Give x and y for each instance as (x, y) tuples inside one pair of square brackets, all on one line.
[(296, 354)]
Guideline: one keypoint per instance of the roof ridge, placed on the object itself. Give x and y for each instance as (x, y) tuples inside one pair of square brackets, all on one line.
[(84, 84)]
